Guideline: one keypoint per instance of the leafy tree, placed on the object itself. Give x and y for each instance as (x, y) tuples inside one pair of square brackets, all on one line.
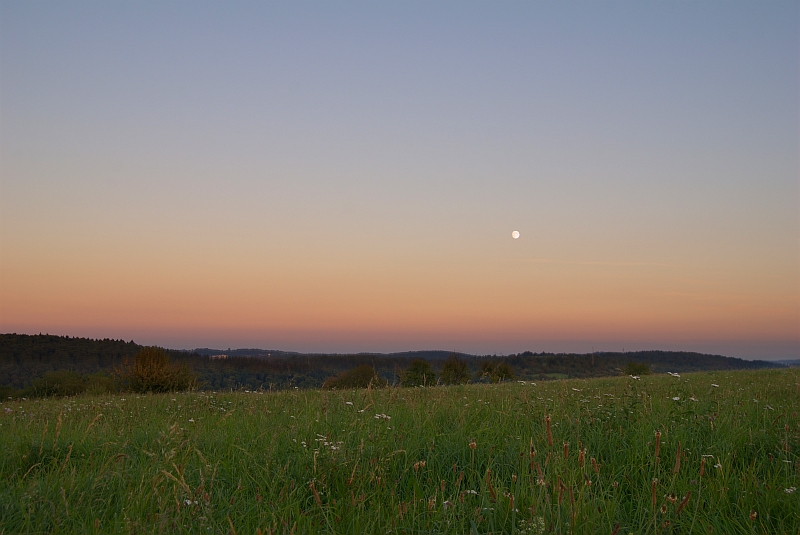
[(637, 368), (151, 371), (454, 371), (358, 377), (418, 373)]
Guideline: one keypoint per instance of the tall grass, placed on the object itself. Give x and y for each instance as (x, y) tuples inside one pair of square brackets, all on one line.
[(460, 459)]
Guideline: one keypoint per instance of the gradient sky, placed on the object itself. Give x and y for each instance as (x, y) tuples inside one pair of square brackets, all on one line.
[(321, 177)]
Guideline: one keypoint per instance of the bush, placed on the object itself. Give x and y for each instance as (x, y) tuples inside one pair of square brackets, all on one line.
[(9, 392), (637, 368), (360, 377), (56, 383), (151, 371), (454, 371), (418, 373), (495, 371)]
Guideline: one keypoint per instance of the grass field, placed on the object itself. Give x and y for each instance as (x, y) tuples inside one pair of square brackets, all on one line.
[(700, 453)]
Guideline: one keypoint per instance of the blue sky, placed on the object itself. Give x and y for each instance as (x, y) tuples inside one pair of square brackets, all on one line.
[(315, 176)]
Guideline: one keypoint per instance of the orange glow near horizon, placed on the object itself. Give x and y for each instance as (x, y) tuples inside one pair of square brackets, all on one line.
[(512, 300)]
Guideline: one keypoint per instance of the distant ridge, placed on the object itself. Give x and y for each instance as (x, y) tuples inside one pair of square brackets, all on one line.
[(27, 357), (431, 354)]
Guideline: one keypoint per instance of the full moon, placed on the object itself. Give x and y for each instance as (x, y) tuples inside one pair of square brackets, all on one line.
[(515, 234)]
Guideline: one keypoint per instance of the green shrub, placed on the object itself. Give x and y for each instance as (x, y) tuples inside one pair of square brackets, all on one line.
[(360, 377), (56, 383), (100, 383), (454, 371), (418, 373), (9, 392), (495, 371), (637, 368), (151, 371)]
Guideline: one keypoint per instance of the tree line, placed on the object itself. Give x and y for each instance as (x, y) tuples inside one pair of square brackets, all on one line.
[(37, 363)]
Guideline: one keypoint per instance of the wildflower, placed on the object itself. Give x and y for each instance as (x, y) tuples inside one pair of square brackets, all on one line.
[(472, 444), (382, 417), (715, 386), (676, 398), (635, 377), (348, 402), (790, 490), (191, 420), (753, 515), (674, 374)]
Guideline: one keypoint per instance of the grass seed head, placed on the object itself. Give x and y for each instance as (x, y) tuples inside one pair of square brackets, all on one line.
[(549, 432)]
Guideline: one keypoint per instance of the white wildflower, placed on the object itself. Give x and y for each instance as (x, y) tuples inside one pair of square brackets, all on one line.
[(790, 490), (715, 386), (676, 398)]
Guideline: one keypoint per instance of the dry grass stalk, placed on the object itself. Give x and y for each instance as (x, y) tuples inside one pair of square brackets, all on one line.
[(658, 443), (653, 490), (683, 502)]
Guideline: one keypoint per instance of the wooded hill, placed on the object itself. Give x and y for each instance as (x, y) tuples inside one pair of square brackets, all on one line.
[(24, 358)]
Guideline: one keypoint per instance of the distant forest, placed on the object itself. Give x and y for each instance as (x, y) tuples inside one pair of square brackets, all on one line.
[(25, 358)]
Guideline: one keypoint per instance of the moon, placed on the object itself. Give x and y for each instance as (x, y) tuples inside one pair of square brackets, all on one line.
[(515, 234)]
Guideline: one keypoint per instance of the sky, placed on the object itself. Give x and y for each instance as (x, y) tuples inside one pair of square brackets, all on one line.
[(343, 177)]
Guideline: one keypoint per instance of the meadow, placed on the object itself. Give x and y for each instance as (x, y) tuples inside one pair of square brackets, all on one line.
[(695, 453)]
